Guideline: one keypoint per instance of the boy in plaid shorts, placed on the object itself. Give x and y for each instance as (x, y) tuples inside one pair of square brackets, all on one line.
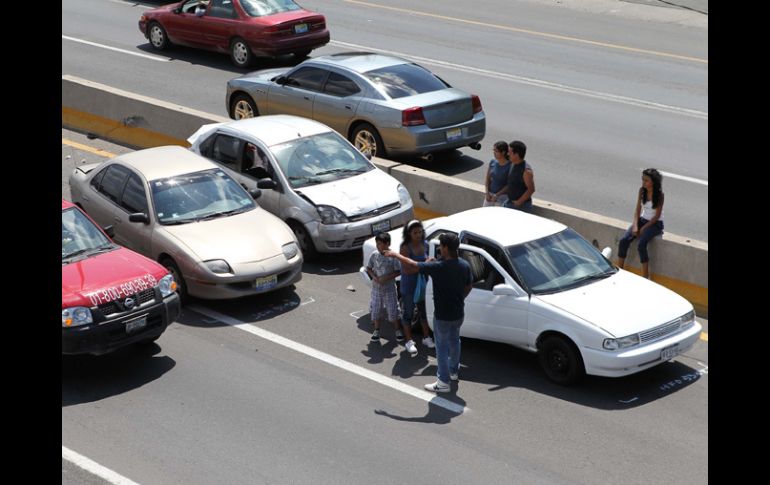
[(384, 299)]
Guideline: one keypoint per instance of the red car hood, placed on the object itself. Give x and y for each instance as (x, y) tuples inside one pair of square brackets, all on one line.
[(103, 271)]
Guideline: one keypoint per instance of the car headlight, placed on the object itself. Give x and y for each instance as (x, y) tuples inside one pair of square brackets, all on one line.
[(218, 266), (75, 316), (621, 343), (687, 319), (403, 195), (167, 285), (331, 215), (290, 250)]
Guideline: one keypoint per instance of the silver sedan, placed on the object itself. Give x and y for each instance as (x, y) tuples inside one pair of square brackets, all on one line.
[(183, 211), (385, 105)]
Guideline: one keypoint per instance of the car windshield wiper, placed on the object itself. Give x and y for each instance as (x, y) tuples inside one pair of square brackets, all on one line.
[(340, 170), (176, 222), (306, 180), (76, 253), (595, 276), (214, 215)]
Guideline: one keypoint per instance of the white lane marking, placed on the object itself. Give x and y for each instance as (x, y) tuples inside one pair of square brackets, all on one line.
[(124, 51), (310, 300), (332, 360), (95, 468), (630, 400), (539, 83), (686, 179)]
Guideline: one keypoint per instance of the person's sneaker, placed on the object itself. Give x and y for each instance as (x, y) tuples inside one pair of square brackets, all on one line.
[(437, 386), (454, 377), (411, 348), (428, 342), (376, 334), (399, 336)]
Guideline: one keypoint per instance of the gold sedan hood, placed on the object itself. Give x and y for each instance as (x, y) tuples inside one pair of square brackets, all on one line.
[(249, 237)]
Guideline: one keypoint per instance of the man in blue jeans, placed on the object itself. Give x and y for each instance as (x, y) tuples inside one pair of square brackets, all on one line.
[(452, 281)]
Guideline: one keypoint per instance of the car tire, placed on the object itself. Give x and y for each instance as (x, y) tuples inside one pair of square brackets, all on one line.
[(157, 36), (240, 53), (367, 139), (171, 266), (243, 106), (561, 360), (306, 245)]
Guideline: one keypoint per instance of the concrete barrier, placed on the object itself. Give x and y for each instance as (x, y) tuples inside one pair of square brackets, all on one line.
[(137, 121)]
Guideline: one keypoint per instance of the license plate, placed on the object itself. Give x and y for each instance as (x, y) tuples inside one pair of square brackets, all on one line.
[(382, 226), (300, 28), (136, 325), (454, 134), (669, 352), (266, 282)]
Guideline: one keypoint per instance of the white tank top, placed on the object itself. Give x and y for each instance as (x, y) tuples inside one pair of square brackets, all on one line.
[(648, 212)]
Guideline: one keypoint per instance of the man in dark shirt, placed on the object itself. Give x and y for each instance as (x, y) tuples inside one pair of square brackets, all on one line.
[(452, 281), (521, 178)]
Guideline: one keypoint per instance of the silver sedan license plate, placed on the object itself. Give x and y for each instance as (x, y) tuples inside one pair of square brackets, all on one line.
[(669, 352), (136, 324), (381, 226), (454, 134), (266, 282)]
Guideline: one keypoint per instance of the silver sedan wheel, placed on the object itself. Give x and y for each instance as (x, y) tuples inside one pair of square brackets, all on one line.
[(240, 53), (242, 110), (366, 143), (157, 36)]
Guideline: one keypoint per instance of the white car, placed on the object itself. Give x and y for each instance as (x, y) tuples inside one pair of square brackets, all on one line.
[(540, 286), (312, 178)]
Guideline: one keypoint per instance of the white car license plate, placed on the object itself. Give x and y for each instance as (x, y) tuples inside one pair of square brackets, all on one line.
[(300, 28), (266, 282), (669, 352), (136, 325), (381, 226), (454, 134)]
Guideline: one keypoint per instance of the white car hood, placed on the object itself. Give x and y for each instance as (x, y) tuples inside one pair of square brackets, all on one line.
[(355, 195), (622, 304), (242, 238)]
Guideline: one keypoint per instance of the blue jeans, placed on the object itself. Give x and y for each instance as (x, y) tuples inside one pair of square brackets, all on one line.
[(644, 238), (526, 206), (447, 338)]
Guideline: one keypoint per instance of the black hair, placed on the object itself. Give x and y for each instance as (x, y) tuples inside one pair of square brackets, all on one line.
[(657, 186), (519, 148), (406, 236), (383, 237), (502, 147), (450, 241)]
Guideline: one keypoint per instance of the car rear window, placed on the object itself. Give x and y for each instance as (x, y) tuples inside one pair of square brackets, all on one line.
[(404, 80), (260, 8)]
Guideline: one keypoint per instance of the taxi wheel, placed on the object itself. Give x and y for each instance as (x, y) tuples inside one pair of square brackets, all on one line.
[(240, 53), (367, 139), (171, 266), (158, 38), (561, 360), (309, 252), (242, 106)]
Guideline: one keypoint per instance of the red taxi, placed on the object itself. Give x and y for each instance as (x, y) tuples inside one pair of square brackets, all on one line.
[(110, 295)]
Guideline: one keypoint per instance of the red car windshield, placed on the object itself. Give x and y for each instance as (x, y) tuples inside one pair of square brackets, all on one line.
[(260, 8)]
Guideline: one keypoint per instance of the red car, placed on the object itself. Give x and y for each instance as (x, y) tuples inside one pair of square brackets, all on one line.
[(110, 296), (242, 28)]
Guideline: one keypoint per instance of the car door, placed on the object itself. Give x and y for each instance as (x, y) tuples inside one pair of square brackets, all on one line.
[(295, 96), (501, 317), (103, 194), (256, 164), (134, 235), (337, 102), (219, 24), (184, 26)]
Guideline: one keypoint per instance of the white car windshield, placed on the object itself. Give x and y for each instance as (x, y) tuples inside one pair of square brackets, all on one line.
[(558, 262), (80, 237), (318, 159), (198, 196)]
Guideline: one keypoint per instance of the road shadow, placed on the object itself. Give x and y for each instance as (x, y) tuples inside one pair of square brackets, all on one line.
[(451, 162), (216, 60), (334, 263), (255, 308), (436, 414), (501, 366), (88, 378)]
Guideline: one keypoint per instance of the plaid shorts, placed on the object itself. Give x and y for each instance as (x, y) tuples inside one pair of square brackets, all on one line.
[(384, 300)]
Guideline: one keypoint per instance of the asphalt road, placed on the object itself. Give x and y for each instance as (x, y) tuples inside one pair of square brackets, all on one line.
[(597, 89), (215, 403)]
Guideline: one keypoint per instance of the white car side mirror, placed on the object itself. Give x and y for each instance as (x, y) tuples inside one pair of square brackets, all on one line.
[(607, 252), (504, 290)]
